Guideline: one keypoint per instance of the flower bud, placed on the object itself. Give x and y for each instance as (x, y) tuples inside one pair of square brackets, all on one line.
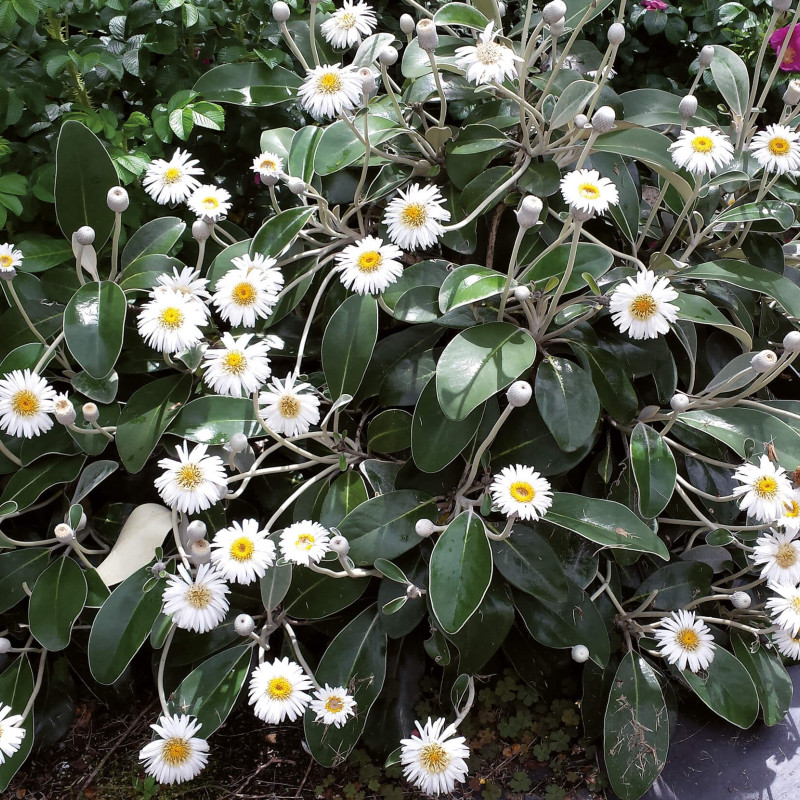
[(8, 273), (522, 293), (196, 530), (281, 11), (581, 216), (519, 394), (414, 592), (427, 36), (64, 411), (117, 199), (679, 402), (791, 342), (706, 56), (580, 120), (687, 108), (5, 645), (616, 34), (580, 653), (603, 119), (407, 24), (792, 94), (296, 185), (237, 442), (244, 624), (158, 569), (424, 527), (740, 600), (781, 6), (200, 552), (554, 11), (91, 412), (763, 361), (529, 211), (501, 9), (388, 56), (368, 85), (557, 28), (64, 532), (200, 230), (84, 235), (339, 545)]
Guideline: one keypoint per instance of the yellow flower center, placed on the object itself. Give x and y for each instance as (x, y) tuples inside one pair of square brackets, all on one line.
[(414, 215), (369, 261), (288, 406), (794, 604), (434, 758), (688, 639), (210, 203), (175, 751), (792, 509), (198, 596), (347, 20), (334, 704), (766, 487), (779, 146), (172, 175), (242, 549), (279, 688), (329, 83), (590, 191), (190, 476), (244, 294), (643, 306), (234, 363), (488, 53), (702, 144), (6, 261), (268, 163), (305, 541), (25, 403), (522, 491), (171, 318), (786, 556)]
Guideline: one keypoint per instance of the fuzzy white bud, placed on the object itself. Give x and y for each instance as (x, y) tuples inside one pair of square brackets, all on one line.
[(200, 552), (603, 119), (339, 545), (580, 653), (581, 216), (616, 34), (763, 361), (519, 394), (64, 532), (522, 293), (791, 342), (117, 199), (501, 9), (200, 230), (427, 36), (238, 442), (580, 120), (296, 185), (687, 107), (529, 211), (407, 24), (244, 624), (64, 411), (781, 6), (679, 402), (706, 56), (554, 11), (196, 530), (281, 11), (158, 569), (91, 413), (792, 94), (741, 600), (388, 56), (84, 235), (424, 527), (368, 85), (8, 273), (5, 645), (557, 28)]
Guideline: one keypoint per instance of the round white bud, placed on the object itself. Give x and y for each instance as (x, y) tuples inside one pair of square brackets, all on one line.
[(580, 653), (501, 9), (529, 211), (427, 36), (603, 119), (201, 230), (557, 28), (388, 56), (581, 216), (339, 545), (84, 235), (158, 569), (296, 185), (64, 532), (368, 85), (5, 645), (244, 624), (687, 107), (580, 120), (196, 530), (763, 361), (616, 34), (64, 411), (424, 527), (91, 412), (8, 273), (200, 552), (407, 24), (554, 11), (679, 402), (706, 56), (791, 342), (741, 600), (519, 394), (792, 94), (281, 11), (238, 442), (522, 293), (117, 199), (781, 6)]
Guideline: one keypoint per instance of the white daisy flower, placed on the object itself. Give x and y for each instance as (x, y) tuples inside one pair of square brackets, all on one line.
[(242, 552), (790, 521), (199, 603), (585, 190), (210, 202), (348, 25), (278, 691), (788, 644), (268, 165), (304, 542), (329, 90), (10, 258), (249, 292), (779, 557), (289, 408), (237, 367), (432, 760), (26, 400), (370, 265), (685, 640), (701, 150), (522, 491), (193, 482), (765, 490), (265, 265), (172, 181), (785, 608), (488, 61), (171, 321), (187, 281), (11, 733), (777, 149), (333, 706), (177, 755), (642, 308), (414, 218)]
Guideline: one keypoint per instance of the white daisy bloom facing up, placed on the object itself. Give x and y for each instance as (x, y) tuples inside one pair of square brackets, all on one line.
[(193, 482), (779, 557), (522, 491), (196, 604), (641, 307), (187, 281), (433, 760), (685, 640), (586, 191), (242, 552), (26, 402), (304, 542), (333, 706), (701, 150), (785, 607), (488, 61), (348, 25), (414, 217), (210, 202), (171, 321), (289, 408), (777, 149), (278, 691), (172, 181), (268, 165), (790, 521), (329, 90), (236, 367), (765, 490), (369, 266), (787, 644), (10, 257), (177, 755), (11, 733), (249, 292)]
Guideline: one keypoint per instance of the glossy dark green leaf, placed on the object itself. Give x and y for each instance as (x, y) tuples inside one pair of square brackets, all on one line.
[(214, 419), (274, 585), (339, 146), (654, 469), (301, 152), (249, 83), (612, 384), (460, 14), (699, 310), (278, 232), (345, 494), (589, 258), (155, 237), (27, 485), (772, 681), (389, 431), (16, 688), (57, 599), (678, 584), (314, 596), (571, 102), (18, 567), (469, 284), (626, 212), (103, 390), (92, 476), (732, 78)]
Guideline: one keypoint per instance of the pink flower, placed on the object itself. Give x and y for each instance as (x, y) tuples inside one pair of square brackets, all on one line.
[(654, 5), (791, 58)]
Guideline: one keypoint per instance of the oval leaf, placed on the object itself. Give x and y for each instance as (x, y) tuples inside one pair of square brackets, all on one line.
[(57, 599), (654, 470)]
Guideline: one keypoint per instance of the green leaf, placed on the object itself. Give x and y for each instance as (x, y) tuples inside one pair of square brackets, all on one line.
[(348, 342), (697, 309), (16, 688), (346, 493), (339, 146), (678, 584), (18, 567), (460, 14), (56, 602), (571, 102), (478, 363), (156, 237), (460, 571), (369, 50), (91, 477), (249, 83), (732, 79), (301, 152), (278, 232), (27, 485), (102, 391), (589, 258), (389, 431), (94, 322), (654, 469), (315, 596), (611, 381), (636, 736), (766, 215), (213, 419), (143, 272), (274, 585), (626, 212), (469, 284), (390, 570), (84, 174)]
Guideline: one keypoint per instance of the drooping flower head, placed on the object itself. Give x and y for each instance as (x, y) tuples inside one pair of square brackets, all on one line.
[(26, 402), (236, 367), (791, 58), (777, 149), (242, 552), (434, 761), (414, 217), (172, 181), (701, 150), (765, 490), (522, 491), (348, 25), (586, 191), (289, 408), (193, 481), (488, 61), (329, 90), (685, 640), (199, 603), (278, 691), (177, 755), (333, 706), (370, 266), (641, 306)]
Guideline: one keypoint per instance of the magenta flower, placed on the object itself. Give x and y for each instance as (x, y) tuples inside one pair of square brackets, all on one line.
[(655, 5), (791, 58)]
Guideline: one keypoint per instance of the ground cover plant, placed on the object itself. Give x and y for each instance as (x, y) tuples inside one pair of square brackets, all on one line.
[(467, 353)]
